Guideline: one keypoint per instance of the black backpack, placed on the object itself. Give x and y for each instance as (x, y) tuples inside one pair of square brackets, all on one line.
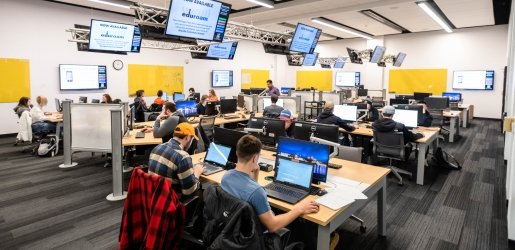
[(444, 160)]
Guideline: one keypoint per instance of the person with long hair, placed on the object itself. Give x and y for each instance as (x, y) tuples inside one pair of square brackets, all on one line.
[(106, 98), (212, 96), (23, 105)]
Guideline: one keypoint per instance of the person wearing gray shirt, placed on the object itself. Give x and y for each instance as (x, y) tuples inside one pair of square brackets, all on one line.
[(274, 110), (166, 122)]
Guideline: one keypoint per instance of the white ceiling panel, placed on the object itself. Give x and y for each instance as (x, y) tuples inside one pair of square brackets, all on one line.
[(409, 16), (466, 13), (361, 22)]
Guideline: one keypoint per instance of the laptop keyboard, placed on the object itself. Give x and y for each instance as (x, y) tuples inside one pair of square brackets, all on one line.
[(140, 135), (285, 190)]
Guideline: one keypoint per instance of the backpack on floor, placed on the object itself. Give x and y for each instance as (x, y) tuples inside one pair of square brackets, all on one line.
[(47, 147), (444, 160)]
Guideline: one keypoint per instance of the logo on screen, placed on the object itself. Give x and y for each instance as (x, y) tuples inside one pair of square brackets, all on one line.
[(201, 15), (107, 35)]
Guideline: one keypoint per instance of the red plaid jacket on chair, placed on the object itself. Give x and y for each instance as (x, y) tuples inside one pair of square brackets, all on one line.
[(153, 217)]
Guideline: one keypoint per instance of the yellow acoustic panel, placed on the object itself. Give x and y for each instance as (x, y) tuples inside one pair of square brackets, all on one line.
[(319, 79), (14, 79), (407, 81), (152, 78), (254, 78)]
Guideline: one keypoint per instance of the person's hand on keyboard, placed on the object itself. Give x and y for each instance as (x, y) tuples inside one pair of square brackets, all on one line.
[(198, 169), (307, 207)]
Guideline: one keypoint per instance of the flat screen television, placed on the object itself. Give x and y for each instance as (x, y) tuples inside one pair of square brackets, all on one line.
[(203, 20), (340, 62), (221, 78), (354, 57), (347, 79), (188, 108), (305, 39), (111, 36), (222, 50), (473, 79), (82, 77), (310, 59), (397, 61), (377, 54), (453, 96)]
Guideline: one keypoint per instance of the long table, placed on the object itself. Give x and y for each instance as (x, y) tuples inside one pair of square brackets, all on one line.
[(329, 220), (430, 137)]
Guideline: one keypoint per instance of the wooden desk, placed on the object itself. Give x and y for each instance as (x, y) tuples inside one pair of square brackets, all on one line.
[(329, 220), (454, 127), (467, 112), (130, 139), (430, 137)]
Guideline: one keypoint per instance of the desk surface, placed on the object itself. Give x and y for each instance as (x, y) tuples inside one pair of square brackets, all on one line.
[(352, 170), (452, 113), (428, 132)]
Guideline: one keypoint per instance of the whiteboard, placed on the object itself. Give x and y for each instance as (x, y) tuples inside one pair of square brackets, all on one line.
[(91, 126)]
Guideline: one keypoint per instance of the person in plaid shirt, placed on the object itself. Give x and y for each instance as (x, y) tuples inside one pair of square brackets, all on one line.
[(171, 160)]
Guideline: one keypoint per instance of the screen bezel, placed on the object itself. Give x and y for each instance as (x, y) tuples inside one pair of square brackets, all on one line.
[(59, 71), (493, 81)]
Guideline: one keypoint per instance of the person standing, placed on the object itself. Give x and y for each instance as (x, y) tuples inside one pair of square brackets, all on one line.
[(271, 89)]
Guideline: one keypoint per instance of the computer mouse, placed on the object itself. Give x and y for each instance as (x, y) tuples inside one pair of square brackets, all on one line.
[(321, 192), (269, 178)]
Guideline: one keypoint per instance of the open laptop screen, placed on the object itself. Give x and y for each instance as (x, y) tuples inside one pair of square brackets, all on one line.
[(296, 173), (218, 154), (407, 117)]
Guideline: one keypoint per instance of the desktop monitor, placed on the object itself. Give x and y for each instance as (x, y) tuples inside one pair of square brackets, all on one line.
[(272, 129), (164, 96), (241, 101), (377, 54), (196, 97), (179, 97), (453, 96), (346, 112), (305, 39), (228, 137), (394, 101), (420, 96), (188, 108), (58, 106), (362, 92), (434, 102), (256, 91), (83, 99), (211, 109), (95, 100), (285, 91), (228, 106), (407, 97), (407, 117), (415, 107), (306, 151), (267, 102), (304, 130)]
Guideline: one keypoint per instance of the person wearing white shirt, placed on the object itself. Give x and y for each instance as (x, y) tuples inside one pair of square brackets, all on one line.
[(40, 123)]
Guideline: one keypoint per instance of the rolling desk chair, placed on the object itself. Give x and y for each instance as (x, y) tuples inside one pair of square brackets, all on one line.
[(439, 121), (390, 145), (208, 125)]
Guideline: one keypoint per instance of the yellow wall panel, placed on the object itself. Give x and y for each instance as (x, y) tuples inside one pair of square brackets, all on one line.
[(152, 78), (254, 78), (319, 79), (14, 79), (407, 81)]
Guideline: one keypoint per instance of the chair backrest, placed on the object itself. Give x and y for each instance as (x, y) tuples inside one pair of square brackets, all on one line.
[(389, 144), (208, 125), (350, 153), (438, 118)]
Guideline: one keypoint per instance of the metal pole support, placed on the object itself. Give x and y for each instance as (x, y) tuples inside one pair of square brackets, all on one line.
[(116, 148), (67, 136)]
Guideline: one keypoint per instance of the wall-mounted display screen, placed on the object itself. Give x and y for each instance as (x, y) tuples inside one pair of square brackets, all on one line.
[(204, 20), (110, 36), (473, 79), (221, 78), (82, 77), (222, 50), (310, 59), (305, 39), (347, 79), (377, 54), (397, 61)]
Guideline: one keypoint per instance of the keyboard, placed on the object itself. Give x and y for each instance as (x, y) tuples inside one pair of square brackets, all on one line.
[(297, 194), (140, 134), (230, 117), (334, 165), (211, 169)]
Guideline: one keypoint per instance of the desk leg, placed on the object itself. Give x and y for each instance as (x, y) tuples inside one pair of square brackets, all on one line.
[(421, 162), (381, 209), (465, 113), (452, 129), (324, 237)]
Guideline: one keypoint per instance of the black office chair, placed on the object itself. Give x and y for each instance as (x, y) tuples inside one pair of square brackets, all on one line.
[(208, 125), (390, 145)]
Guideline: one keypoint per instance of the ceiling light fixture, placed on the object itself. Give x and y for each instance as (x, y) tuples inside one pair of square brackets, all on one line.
[(341, 27), (436, 14), (264, 3), (378, 17), (111, 3)]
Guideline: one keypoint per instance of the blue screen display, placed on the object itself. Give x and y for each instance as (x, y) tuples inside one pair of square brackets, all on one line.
[(307, 152), (188, 108), (310, 59), (305, 39), (298, 173), (222, 50), (218, 154), (179, 97), (453, 97)]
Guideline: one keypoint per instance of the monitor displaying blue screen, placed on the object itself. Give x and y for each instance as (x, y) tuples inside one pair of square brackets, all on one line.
[(178, 97), (305, 39), (285, 91), (297, 173), (340, 62), (306, 151), (188, 108), (377, 54), (222, 50), (218, 154), (310, 59), (453, 97)]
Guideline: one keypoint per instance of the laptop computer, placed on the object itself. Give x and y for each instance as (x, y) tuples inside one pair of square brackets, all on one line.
[(292, 180), (216, 158)]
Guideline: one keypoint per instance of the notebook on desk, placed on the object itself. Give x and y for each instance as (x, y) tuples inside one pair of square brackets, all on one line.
[(292, 180)]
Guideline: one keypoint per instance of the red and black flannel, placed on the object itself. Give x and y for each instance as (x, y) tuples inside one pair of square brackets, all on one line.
[(153, 217)]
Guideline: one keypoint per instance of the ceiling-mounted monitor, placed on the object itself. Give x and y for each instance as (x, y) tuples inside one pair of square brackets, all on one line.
[(354, 57), (340, 62), (310, 59), (203, 20), (305, 39), (293, 61), (347, 79), (473, 79), (397, 61), (377, 54), (325, 66), (222, 50), (111, 36), (82, 77)]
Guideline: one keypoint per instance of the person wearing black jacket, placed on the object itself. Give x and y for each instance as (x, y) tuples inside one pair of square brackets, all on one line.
[(428, 118), (373, 114), (387, 124), (327, 117), (201, 105)]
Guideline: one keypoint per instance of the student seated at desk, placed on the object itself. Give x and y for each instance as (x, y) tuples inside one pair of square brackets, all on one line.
[(287, 117), (327, 117), (159, 100), (23, 105), (106, 98), (170, 118), (201, 105), (274, 110), (191, 95), (428, 118), (387, 124), (171, 160), (140, 105), (373, 114), (242, 183), (40, 123), (212, 96)]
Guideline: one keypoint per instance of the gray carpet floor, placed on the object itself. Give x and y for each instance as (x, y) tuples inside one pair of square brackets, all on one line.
[(44, 207)]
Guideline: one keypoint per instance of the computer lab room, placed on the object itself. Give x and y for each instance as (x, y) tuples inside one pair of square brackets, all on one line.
[(257, 124)]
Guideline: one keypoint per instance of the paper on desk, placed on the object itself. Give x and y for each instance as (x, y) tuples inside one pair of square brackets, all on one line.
[(334, 200), (342, 181)]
